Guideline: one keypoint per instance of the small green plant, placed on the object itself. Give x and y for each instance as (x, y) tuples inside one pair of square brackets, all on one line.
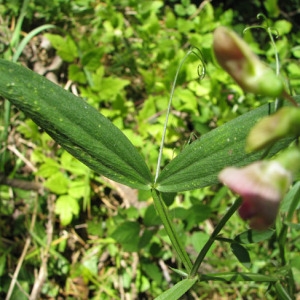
[(98, 143)]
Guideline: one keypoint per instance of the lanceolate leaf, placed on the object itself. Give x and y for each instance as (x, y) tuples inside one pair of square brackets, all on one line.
[(199, 163), (75, 125), (237, 277), (252, 236), (178, 290)]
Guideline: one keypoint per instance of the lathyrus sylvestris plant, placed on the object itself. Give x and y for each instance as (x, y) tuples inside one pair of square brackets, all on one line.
[(93, 139)]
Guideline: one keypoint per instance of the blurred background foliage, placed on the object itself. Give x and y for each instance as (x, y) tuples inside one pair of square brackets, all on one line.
[(98, 239)]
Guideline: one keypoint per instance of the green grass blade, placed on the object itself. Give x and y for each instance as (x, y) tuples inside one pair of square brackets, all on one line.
[(281, 292), (199, 163), (75, 125), (178, 289), (28, 37), (237, 277), (251, 236), (16, 34)]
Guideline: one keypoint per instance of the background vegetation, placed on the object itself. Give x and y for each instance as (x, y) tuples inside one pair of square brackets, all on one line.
[(94, 238)]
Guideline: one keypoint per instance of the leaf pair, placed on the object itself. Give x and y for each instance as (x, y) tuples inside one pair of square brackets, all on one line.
[(94, 140)]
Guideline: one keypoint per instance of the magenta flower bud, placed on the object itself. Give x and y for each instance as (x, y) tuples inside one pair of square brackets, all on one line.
[(236, 58), (261, 185), (285, 122)]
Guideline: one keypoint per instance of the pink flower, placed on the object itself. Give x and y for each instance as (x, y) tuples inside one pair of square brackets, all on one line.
[(261, 185)]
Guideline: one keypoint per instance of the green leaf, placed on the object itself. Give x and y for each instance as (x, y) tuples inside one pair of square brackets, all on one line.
[(152, 270), (66, 206), (237, 277), (127, 234), (199, 163), (107, 92), (91, 58), (76, 74), (198, 240), (179, 272), (296, 51), (76, 126), (178, 289), (48, 168), (2, 264), (197, 214), (283, 26), (282, 292), (145, 238), (291, 202), (151, 217), (71, 164), (242, 254), (66, 47), (57, 183), (78, 189), (253, 236), (272, 8)]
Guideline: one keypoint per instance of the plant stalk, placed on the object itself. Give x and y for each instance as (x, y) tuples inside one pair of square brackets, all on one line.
[(169, 227), (213, 237)]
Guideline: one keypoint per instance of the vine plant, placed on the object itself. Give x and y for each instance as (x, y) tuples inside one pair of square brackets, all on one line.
[(94, 140)]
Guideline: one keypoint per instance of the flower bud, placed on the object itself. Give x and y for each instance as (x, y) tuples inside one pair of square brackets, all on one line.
[(261, 185), (285, 122), (236, 57)]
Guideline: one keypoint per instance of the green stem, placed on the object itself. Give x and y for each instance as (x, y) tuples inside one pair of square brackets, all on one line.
[(281, 244), (282, 239), (4, 135), (16, 34), (169, 227), (278, 101), (213, 236)]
